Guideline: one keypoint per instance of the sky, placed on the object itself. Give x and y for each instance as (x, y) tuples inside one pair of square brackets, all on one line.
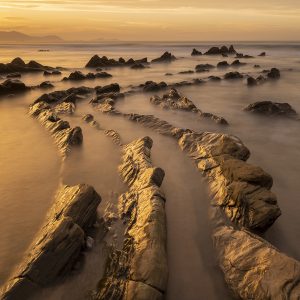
[(155, 20)]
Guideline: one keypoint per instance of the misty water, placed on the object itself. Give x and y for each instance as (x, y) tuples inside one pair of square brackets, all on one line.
[(31, 169)]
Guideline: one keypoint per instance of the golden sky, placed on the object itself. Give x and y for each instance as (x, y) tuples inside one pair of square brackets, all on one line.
[(168, 20)]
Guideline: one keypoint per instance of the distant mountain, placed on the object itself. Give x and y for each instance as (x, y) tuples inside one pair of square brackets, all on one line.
[(19, 38)]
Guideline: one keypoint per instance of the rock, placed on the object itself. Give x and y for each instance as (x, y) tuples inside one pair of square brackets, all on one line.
[(195, 52), (54, 72), (65, 137), (77, 75), (237, 63), (139, 270), (137, 66), (58, 244), (88, 118), (12, 86), (256, 66), (262, 54), (165, 58), (151, 86), (46, 85), (269, 108), (89, 243), (173, 100), (96, 62), (168, 74), (274, 74), (223, 64), (220, 51), (241, 55), (111, 88), (204, 67), (233, 75), (102, 75), (186, 72), (253, 268), (251, 81), (214, 78)]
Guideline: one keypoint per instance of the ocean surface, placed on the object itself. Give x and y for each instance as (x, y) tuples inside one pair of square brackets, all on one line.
[(30, 167)]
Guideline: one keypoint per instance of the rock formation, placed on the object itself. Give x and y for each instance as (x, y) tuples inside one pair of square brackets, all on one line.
[(269, 108), (195, 52), (253, 268), (173, 100), (58, 244), (12, 86), (18, 65), (64, 136), (274, 74), (165, 58), (78, 75), (233, 75), (220, 51), (204, 67), (139, 269), (97, 61)]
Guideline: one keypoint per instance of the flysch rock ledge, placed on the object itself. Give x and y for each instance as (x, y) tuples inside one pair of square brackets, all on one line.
[(58, 244), (64, 136), (139, 270)]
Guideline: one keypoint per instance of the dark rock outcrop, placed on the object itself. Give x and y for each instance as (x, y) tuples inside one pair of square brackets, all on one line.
[(97, 61), (269, 108), (173, 100), (220, 51), (53, 72), (233, 75), (241, 55), (138, 66), (46, 85), (14, 75), (12, 86), (195, 52), (58, 244), (139, 269), (165, 58), (151, 86), (78, 75), (111, 88), (251, 81), (203, 68), (273, 74), (262, 54), (237, 63), (18, 65), (223, 64)]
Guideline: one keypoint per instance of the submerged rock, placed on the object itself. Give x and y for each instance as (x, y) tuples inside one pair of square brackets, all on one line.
[(46, 85), (274, 74), (195, 52), (223, 64), (262, 54), (269, 108), (12, 86), (139, 269), (78, 75), (237, 63), (165, 58), (204, 67), (233, 75), (59, 243)]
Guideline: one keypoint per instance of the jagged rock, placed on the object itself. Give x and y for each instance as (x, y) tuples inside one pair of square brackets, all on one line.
[(269, 108), (274, 74), (173, 100), (262, 54), (204, 67), (97, 61), (111, 88), (58, 244), (64, 136), (221, 50), (12, 86), (46, 85), (253, 268), (78, 75), (165, 58), (237, 63), (151, 86), (223, 64), (139, 270), (18, 65), (195, 52), (233, 75)]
